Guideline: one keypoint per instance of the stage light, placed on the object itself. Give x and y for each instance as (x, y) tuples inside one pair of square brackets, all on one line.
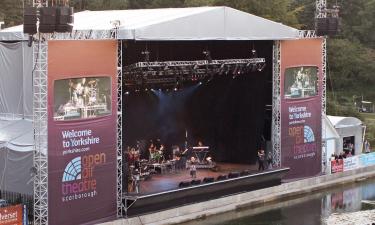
[(146, 89), (175, 89), (260, 67), (127, 93), (152, 89), (200, 83)]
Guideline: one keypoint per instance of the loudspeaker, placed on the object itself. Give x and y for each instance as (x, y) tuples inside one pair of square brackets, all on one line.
[(195, 182), (29, 20), (233, 174), (321, 26), (62, 28), (47, 20), (184, 184), (221, 177), (64, 15), (208, 180), (333, 25)]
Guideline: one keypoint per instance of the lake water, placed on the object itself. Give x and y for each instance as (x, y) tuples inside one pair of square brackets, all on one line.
[(309, 209)]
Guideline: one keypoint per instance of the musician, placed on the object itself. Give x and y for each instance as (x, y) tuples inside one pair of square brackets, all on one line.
[(152, 150)]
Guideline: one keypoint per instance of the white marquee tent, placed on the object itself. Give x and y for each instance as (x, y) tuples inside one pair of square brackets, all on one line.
[(348, 127)]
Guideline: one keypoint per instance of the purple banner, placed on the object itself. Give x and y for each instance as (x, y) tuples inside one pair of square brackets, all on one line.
[(301, 111)]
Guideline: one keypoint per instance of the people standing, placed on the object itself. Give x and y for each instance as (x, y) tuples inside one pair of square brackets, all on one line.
[(367, 146), (261, 159)]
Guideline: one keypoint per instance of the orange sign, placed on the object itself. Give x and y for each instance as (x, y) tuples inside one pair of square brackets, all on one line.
[(11, 215)]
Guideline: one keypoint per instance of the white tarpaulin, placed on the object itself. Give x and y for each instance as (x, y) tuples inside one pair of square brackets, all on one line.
[(15, 80), (201, 23), (16, 156)]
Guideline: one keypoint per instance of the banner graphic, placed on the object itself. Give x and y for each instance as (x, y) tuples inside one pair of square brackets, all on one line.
[(301, 119), (82, 104)]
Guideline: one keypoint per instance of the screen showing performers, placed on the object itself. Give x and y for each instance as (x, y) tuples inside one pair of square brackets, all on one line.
[(301, 82), (81, 98)]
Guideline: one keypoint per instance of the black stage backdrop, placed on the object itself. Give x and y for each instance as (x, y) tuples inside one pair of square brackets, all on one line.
[(229, 115)]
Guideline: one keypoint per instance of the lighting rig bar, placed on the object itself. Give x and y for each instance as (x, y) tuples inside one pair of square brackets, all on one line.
[(198, 62), (175, 73)]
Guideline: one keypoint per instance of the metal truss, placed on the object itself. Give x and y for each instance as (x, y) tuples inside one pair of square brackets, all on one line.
[(40, 3), (196, 63), (321, 6), (40, 119), (324, 75), (307, 34), (276, 104), (120, 207), (324, 102), (84, 35)]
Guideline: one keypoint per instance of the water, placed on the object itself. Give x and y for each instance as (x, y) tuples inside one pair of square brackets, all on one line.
[(310, 209)]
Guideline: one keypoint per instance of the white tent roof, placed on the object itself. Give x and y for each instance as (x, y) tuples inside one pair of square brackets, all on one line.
[(330, 131), (201, 23), (16, 135), (340, 122)]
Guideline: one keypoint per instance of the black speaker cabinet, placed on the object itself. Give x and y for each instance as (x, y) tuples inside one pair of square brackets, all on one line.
[(62, 28), (29, 20), (321, 26), (48, 15), (65, 15)]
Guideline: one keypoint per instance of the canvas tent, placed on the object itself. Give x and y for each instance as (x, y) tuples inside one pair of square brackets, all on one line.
[(348, 127), (331, 139), (202, 23), (16, 156)]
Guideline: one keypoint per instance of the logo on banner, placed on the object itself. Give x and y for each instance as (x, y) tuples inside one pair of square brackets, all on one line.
[(72, 170), (308, 134), (304, 145), (79, 181)]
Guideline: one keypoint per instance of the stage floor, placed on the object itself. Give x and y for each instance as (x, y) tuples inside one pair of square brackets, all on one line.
[(170, 181)]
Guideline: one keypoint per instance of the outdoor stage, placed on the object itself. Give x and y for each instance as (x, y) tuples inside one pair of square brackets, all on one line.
[(170, 180), (142, 203)]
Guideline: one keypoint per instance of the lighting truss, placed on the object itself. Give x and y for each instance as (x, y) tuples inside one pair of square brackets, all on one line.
[(170, 73)]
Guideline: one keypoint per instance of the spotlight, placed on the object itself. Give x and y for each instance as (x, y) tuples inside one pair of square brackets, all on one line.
[(152, 89), (127, 93), (159, 89), (200, 83), (175, 89), (146, 89), (260, 67)]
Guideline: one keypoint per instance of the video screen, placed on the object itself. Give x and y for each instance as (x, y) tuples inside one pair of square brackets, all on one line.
[(301, 82), (82, 98)]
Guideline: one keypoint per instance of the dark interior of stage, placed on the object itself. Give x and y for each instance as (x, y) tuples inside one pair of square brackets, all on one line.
[(230, 113)]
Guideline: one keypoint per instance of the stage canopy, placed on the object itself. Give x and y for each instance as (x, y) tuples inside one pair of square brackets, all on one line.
[(201, 23)]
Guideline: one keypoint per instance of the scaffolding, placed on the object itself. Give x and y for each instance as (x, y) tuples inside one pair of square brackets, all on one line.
[(276, 105)]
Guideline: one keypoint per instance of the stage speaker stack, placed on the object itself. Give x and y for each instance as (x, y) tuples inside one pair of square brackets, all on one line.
[(47, 19), (51, 19), (333, 25), (327, 26), (29, 20), (321, 26), (64, 19)]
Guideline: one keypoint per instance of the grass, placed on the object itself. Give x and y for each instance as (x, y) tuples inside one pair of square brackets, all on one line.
[(369, 121)]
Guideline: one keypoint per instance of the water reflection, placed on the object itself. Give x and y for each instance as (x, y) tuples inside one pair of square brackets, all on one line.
[(308, 210)]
